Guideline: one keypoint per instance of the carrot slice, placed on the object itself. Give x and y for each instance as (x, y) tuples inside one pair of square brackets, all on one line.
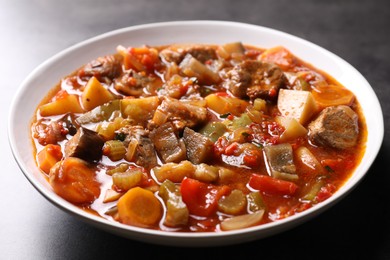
[(332, 95), (139, 207)]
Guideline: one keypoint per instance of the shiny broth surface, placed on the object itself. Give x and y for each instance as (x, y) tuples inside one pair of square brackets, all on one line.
[(198, 138)]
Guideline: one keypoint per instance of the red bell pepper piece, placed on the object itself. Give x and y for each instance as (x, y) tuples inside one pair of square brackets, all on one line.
[(272, 185), (201, 198)]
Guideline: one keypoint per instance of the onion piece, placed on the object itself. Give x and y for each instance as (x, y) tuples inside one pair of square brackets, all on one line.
[(242, 221)]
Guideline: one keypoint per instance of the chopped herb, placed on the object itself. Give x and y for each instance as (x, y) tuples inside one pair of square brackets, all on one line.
[(328, 168), (120, 136), (245, 134), (225, 115)]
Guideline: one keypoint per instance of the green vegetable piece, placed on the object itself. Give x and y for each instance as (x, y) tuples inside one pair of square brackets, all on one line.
[(255, 201), (128, 179), (234, 203), (314, 189), (213, 130), (120, 168), (100, 113), (242, 121), (177, 211)]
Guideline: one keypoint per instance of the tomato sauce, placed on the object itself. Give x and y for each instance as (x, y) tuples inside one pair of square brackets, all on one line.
[(190, 128)]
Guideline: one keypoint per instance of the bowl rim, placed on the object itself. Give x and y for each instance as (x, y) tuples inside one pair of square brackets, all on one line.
[(185, 238)]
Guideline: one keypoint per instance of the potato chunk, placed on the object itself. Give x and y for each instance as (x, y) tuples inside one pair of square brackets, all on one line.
[(226, 104), (293, 129), (140, 110), (64, 104), (95, 94), (297, 104)]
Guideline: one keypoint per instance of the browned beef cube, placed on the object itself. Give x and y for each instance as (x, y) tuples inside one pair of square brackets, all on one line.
[(85, 144), (255, 79), (134, 83), (177, 53), (199, 147), (144, 153), (107, 66), (167, 143), (336, 127), (182, 114)]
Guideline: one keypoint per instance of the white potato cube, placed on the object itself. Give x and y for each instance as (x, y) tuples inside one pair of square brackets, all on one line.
[(293, 129), (297, 104)]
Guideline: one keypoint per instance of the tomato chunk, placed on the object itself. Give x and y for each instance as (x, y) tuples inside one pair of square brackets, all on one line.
[(201, 198), (272, 185)]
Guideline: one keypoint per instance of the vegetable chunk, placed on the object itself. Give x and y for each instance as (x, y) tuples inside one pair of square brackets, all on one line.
[(48, 157), (297, 104), (201, 198), (243, 221), (139, 110), (293, 129), (139, 207), (62, 104), (177, 211), (223, 104), (280, 161), (271, 185), (75, 181), (95, 94), (85, 144)]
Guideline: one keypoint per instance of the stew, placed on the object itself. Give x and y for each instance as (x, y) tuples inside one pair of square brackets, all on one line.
[(198, 137)]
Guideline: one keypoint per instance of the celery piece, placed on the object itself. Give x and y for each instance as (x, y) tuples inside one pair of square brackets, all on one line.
[(255, 201), (242, 121), (114, 149), (128, 179), (177, 211), (234, 203), (122, 167), (213, 130), (314, 189)]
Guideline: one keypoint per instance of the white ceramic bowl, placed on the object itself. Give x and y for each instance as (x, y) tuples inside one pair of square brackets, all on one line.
[(44, 77)]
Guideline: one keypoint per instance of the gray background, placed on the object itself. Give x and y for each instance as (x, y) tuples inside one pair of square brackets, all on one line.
[(31, 31)]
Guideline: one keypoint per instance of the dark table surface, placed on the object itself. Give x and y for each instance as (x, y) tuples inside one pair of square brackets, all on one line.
[(31, 31)]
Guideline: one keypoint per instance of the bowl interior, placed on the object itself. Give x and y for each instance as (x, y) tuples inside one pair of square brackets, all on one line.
[(44, 77)]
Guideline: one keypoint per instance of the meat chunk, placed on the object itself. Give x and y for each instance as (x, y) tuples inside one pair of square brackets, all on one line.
[(55, 131), (107, 66), (255, 79), (199, 147), (140, 148), (134, 83), (336, 127), (85, 144), (180, 113), (177, 53), (167, 143), (201, 53)]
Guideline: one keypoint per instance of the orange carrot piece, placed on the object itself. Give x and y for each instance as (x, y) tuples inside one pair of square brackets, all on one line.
[(139, 207), (49, 156)]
